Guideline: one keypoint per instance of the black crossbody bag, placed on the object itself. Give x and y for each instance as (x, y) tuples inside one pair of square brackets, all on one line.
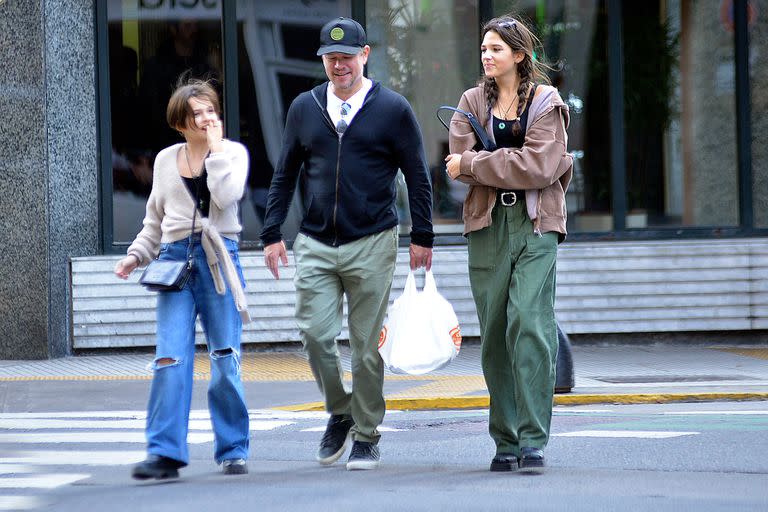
[(170, 276)]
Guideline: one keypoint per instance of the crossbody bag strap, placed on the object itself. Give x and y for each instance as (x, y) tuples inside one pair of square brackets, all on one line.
[(194, 212), (192, 233)]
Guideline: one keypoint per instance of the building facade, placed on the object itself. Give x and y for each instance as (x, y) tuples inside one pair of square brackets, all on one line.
[(667, 108)]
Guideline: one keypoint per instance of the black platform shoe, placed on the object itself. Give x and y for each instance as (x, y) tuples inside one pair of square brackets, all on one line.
[(531, 458), (157, 466), (504, 462)]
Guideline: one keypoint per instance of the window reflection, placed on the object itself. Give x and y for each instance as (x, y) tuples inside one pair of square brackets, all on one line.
[(153, 43), (150, 45), (429, 53), (574, 36), (758, 73), (680, 114), (679, 92), (680, 140), (278, 60)]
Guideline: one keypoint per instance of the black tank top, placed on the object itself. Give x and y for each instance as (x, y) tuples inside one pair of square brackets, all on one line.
[(502, 129), (198, 187)]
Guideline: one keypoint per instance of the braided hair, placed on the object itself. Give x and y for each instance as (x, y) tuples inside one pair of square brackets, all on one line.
[(530, 70)]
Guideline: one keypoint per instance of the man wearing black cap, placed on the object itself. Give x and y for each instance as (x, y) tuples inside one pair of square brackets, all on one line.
[(345, 140)]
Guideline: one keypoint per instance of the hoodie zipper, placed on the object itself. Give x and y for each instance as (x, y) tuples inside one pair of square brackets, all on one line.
[(338, 155), (336, 201)]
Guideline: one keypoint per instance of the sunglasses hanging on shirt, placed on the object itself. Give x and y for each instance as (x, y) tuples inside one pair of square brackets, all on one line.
[(344, 111)]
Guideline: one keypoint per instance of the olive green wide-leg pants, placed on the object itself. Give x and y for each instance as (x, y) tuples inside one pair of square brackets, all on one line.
[(512, 273), (362, 270)]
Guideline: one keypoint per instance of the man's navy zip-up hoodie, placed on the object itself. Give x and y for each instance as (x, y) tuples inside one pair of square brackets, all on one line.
[(348, 181)]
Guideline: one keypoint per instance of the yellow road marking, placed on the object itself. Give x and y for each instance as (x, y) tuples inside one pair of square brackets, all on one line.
[(482, 402), (757, 353)]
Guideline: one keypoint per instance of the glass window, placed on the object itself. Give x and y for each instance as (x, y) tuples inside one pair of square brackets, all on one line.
[(758, 74), (277, 55), (680, 114), (680, 138), (429, 53), (574, 37), (150, 45)]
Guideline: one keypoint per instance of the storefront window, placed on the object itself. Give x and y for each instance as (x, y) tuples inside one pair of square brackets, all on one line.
[(679, 89), (429, 53), (574, 37), (680, 115), (277, 55), (150, 45), (758, 74), (679, 110)]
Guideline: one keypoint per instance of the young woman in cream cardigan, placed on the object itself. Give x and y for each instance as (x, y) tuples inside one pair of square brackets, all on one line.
[(204, 176)]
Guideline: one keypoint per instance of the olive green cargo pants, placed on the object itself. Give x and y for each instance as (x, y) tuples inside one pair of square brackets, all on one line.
[(362, 270), (512, 273)]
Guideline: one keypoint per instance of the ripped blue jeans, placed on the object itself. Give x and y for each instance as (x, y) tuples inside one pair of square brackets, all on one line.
[(171, 393)]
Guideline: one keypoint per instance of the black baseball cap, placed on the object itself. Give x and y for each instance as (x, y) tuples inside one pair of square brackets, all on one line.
[(343, 35)]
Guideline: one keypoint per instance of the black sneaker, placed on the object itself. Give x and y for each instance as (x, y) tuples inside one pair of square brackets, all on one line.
[(234, 467), (363, 456), (531, 458), (157, 466), (334, 441)]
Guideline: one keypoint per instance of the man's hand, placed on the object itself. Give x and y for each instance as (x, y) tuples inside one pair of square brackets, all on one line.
[(420, 257), (273, 253)]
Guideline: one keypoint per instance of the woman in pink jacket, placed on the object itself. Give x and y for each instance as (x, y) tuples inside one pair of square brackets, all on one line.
[(514, 218)]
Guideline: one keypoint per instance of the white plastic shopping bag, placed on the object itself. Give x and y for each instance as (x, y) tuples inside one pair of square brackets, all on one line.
[(421, 332)]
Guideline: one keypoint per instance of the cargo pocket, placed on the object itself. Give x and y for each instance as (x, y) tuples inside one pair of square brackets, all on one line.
[(482, 249)]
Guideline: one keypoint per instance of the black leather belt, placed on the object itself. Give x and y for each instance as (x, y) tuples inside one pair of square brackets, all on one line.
[(510, 197)]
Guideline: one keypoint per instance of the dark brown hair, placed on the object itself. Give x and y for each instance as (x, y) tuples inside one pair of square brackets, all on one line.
[(531, 70), (179, 113)]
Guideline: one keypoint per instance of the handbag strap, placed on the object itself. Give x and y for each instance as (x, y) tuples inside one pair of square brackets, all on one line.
[(194, 215), (480, 133), (191, 234)]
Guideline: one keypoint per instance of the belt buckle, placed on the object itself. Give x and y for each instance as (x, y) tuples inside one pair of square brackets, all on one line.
[(508, 198)]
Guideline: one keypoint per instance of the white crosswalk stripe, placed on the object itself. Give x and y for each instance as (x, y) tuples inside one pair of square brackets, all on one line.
[(73, 457), (640, 434), (382, 428), (41, 469), (20, 502), (11, 469), (92, 437), (41, 481)]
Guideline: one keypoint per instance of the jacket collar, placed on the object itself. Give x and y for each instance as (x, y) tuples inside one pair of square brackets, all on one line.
[(547, 99)]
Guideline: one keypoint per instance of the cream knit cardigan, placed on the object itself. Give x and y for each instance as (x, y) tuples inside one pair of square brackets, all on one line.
[(169, 210)]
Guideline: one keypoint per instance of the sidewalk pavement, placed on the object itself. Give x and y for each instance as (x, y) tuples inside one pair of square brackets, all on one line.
[(635, 373)]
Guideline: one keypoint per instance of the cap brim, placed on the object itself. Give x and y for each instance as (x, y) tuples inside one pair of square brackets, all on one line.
[(339, 48)]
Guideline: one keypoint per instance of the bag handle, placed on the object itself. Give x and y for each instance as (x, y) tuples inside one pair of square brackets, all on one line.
[(480, 133), (429, 282), (410, 284)]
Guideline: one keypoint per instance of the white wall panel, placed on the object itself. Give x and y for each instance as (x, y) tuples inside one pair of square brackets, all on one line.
[(603, 287)]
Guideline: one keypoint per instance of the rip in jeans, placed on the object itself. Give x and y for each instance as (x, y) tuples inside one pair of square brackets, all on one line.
[(163, 362), (227, 352)]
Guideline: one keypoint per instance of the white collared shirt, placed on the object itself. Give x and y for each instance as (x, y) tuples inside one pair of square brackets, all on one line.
[(333, 102)]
